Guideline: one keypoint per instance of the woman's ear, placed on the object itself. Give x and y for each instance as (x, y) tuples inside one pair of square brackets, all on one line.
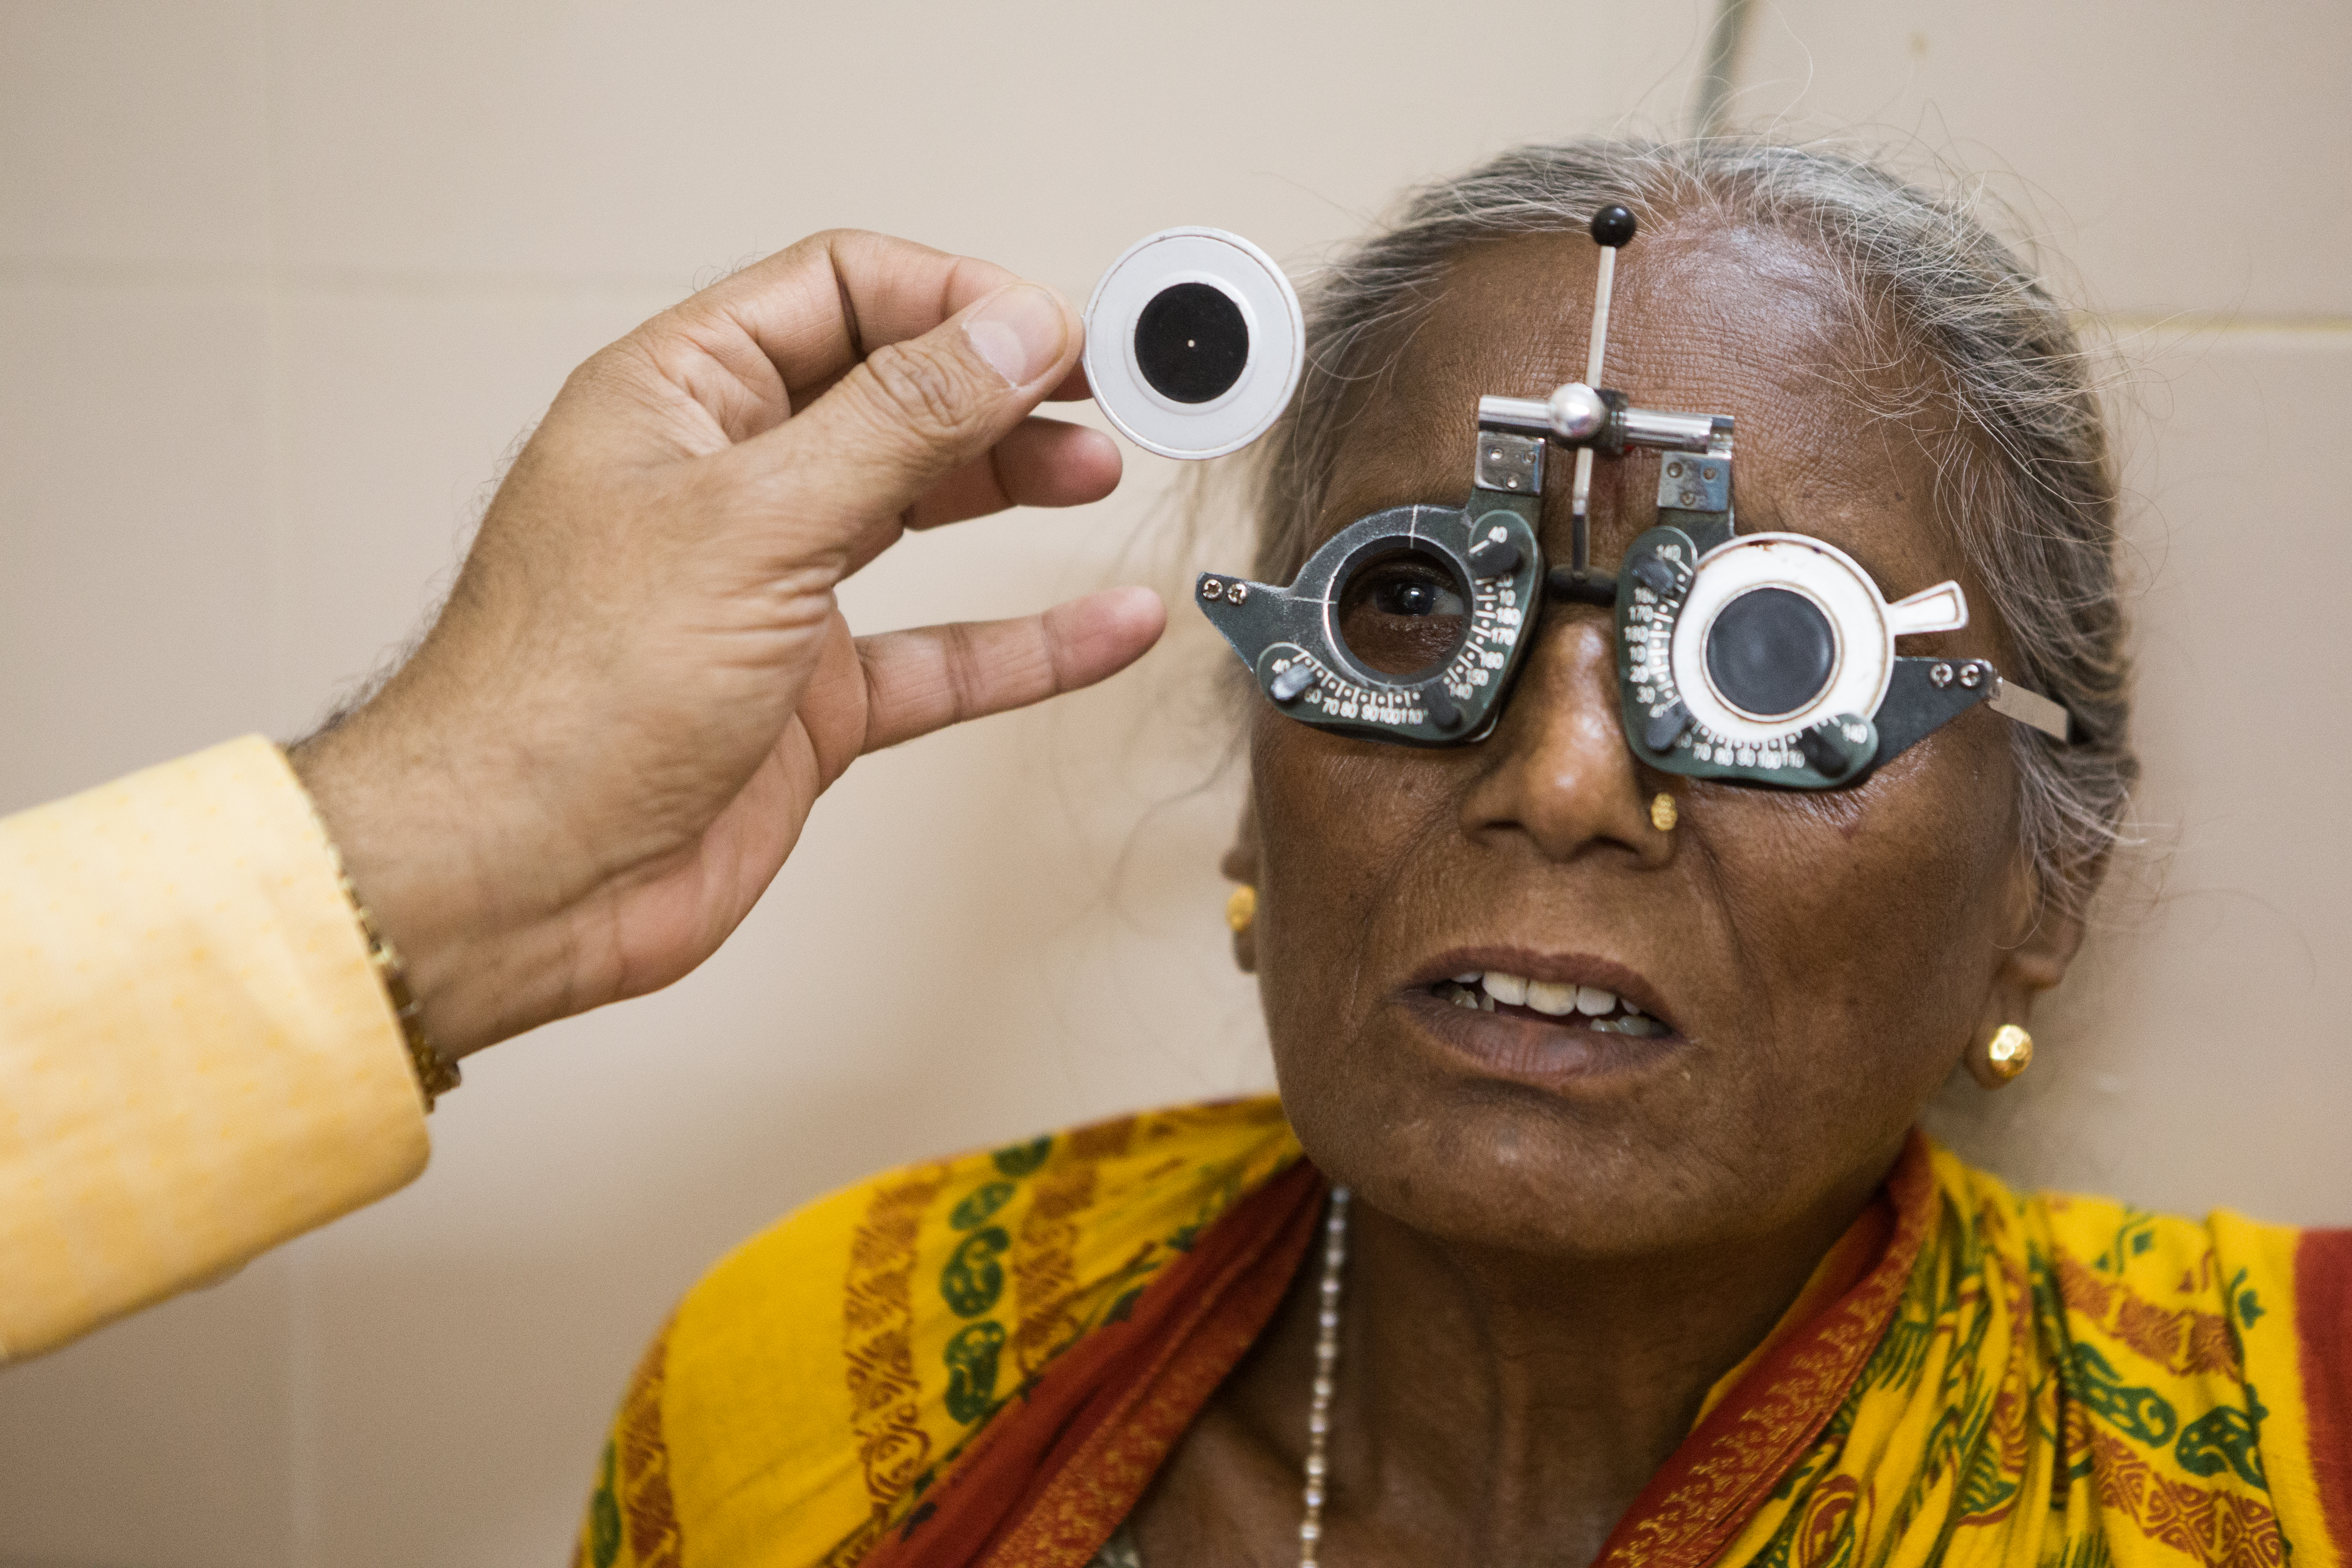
[(1241, 865), (2046, 931)]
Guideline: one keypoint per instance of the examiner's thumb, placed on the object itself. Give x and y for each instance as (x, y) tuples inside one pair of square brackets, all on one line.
[(911, 412), (1025, 333)]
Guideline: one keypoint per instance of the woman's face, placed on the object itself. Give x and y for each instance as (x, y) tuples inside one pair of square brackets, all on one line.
[(1818, 962)]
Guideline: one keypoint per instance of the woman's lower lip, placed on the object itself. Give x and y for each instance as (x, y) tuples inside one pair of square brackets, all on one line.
[(1535, 1052)]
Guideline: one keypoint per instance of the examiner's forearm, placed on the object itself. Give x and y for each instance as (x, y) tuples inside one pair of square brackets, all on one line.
[(197, 1059)]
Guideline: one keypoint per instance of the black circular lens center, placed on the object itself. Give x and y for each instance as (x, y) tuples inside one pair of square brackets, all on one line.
[(1770, 651), (1192, 343)]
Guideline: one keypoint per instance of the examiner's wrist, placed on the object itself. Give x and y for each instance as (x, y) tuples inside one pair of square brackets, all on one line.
[(420, 853), (437, 1071)]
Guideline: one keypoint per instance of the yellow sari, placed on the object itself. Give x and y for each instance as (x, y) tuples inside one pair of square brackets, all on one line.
[(983, 1360)]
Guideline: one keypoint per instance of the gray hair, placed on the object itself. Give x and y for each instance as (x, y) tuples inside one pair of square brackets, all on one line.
[(2026, 479)]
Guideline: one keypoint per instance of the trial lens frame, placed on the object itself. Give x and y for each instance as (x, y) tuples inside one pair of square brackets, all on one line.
[(1761, 659)]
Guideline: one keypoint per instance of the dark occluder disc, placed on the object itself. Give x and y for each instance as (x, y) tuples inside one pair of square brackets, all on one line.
[(1192, 343), (1771, 652)]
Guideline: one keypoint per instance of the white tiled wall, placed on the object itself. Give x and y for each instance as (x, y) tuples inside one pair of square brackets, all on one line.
[(280, 284), (2181, 157)]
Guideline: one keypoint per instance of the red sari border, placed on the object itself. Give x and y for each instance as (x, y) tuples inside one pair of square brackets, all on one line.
[(2323, 1317)]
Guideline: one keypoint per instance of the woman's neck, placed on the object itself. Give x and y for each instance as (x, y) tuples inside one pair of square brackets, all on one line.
[(1522, 1403), (1492, 1407)]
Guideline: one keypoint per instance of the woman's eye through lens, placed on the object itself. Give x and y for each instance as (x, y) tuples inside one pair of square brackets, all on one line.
[(1416, 597), (1402, 615)]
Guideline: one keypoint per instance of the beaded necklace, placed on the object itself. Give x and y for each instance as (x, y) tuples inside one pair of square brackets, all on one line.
[(1326, 1356)]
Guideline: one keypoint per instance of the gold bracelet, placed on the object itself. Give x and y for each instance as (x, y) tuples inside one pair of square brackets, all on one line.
[(436, 1075)]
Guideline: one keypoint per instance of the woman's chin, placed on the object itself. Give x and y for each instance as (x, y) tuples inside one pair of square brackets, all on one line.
[(1572, 1054)]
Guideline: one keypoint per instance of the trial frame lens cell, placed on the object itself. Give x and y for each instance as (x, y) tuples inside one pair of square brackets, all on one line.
[(1400, 611)]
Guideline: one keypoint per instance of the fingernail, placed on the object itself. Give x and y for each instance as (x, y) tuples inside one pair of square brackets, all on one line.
[(1020, 332)]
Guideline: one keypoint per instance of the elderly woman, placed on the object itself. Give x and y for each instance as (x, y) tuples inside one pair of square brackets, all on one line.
[(1593, 1223)]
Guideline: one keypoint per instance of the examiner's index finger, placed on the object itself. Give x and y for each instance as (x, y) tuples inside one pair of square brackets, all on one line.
[(817, 307), (1073, 387)]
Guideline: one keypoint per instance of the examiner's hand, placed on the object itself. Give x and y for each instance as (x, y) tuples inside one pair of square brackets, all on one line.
[(607, 746)]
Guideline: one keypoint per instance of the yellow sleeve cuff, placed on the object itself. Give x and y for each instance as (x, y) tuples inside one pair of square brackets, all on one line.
[(196, 1060)]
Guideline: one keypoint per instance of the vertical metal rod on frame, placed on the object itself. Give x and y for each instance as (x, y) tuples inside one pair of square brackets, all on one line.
[(1716, 74)]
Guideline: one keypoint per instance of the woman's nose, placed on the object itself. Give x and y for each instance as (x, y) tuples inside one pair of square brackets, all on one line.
[(1560, 772)]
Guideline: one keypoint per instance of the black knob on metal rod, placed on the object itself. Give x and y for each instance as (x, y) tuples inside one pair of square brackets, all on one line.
[(1612, 225)]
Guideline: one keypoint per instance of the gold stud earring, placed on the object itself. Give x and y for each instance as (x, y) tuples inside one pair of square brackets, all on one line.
[(1241, 909), (1663, 814), (2001, 1056)]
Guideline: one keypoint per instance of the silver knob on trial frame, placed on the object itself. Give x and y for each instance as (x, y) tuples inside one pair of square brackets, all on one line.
[(1576, 413)]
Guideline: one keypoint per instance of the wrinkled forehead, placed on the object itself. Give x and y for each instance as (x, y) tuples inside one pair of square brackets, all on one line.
[(1738, 321)]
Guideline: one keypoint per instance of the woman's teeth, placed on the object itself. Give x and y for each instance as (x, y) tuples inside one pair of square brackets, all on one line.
[(1603, 1010)]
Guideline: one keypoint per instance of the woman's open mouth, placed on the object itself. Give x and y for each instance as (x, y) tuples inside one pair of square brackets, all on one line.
[(1541, 1001)]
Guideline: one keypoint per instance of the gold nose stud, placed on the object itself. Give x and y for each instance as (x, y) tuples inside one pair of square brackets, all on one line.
[(1663, 814)]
